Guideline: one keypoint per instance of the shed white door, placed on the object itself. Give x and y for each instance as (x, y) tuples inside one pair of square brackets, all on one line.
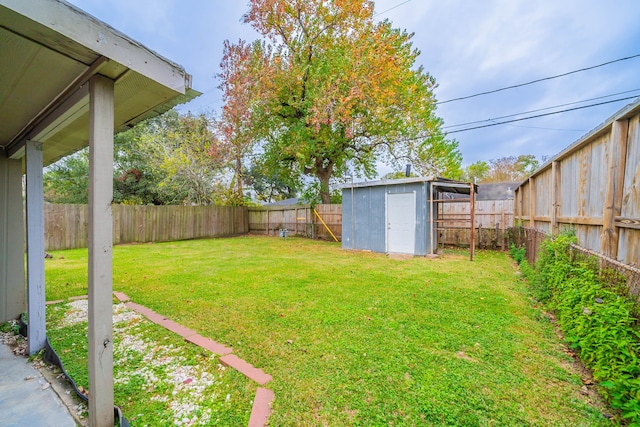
[(401, 223)]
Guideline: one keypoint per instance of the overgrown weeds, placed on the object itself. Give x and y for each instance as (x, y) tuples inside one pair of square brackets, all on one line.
[(598, 318), (517, 253)]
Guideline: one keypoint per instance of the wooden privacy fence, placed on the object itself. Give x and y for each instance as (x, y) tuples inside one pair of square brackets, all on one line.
[(66, 225), (493, 218), (593, 188), (610, 271), (298, 220)]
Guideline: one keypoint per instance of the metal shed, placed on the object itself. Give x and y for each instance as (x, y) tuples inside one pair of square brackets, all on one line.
[(395, 216)]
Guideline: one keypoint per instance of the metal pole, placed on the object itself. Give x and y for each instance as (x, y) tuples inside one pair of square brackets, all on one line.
[(353, 222), (472, 197), (431, 216)]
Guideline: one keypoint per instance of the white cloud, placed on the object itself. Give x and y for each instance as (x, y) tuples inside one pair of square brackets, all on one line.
[(468, 46)]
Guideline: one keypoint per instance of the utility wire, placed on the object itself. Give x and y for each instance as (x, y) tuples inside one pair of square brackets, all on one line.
[(540, 115), (539, 109), (391, 8), (539, 80), (544, 128)]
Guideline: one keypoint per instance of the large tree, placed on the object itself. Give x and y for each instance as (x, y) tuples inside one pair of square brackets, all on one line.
[(170, 159), (194, 161), (337, 90), (503, 169), (237, 128)]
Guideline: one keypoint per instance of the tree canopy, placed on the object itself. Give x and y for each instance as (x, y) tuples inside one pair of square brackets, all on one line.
[(503, 169), (331, 90), (170, 159)]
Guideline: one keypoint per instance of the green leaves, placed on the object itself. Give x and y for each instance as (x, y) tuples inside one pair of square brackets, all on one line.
[(332, 89), (598, 319)]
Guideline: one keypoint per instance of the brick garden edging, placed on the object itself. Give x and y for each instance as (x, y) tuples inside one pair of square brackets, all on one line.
[(264, 397), (262, 401)]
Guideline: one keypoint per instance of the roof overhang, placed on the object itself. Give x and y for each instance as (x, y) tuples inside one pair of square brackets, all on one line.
[(441, 184), (50, 50)]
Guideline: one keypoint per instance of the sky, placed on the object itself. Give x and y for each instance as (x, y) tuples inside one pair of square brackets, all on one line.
[(468, 46)]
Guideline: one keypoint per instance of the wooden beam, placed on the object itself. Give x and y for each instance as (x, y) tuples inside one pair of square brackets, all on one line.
[(431, 219), (613, 191), (12, 289), (542, 218), (627, 222), (516, 205), (532, 204), (556, 195), (101, 115), (473, 222), (579, 220), (36, 327)]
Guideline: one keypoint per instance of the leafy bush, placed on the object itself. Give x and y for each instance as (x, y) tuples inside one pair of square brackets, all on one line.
[(597, 317), (517, 253)]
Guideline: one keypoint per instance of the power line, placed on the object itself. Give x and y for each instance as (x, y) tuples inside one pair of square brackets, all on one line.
[(390, 9), (540, 109), (541, 115), (539, 80), (545, 128)]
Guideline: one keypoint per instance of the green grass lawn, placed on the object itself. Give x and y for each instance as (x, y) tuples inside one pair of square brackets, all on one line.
[(355, 338)]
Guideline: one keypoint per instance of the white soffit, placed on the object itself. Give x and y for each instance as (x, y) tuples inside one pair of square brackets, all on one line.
[(49, 51)]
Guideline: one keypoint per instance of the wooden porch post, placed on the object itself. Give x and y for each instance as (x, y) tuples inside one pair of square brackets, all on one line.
[(36, 329), (101, 116)]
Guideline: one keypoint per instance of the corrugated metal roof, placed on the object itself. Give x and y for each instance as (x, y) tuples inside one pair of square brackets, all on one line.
[(443, 184)]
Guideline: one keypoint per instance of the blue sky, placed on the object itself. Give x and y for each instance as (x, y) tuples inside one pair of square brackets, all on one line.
[(468, 46)]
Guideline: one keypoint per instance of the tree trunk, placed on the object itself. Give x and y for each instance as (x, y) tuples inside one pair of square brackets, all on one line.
[(323, 172), (239, 177)]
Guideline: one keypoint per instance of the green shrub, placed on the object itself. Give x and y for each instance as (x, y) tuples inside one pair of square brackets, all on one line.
[(597, 318), (517, 253)]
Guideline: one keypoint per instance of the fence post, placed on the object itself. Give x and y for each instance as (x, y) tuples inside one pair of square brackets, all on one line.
[(555, 195), (532, 205), (615, 183), (503, 227)]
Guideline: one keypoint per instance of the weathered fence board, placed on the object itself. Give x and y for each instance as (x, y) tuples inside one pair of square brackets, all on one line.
[(298, 220), (591, 187), (332, 217), (492, 220), (269, 220), (66, 225)]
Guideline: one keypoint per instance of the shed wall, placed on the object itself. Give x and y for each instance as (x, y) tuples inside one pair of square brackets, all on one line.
[(367, 228)]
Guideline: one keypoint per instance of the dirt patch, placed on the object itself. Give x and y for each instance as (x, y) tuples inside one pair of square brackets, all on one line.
[(400, 257)]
